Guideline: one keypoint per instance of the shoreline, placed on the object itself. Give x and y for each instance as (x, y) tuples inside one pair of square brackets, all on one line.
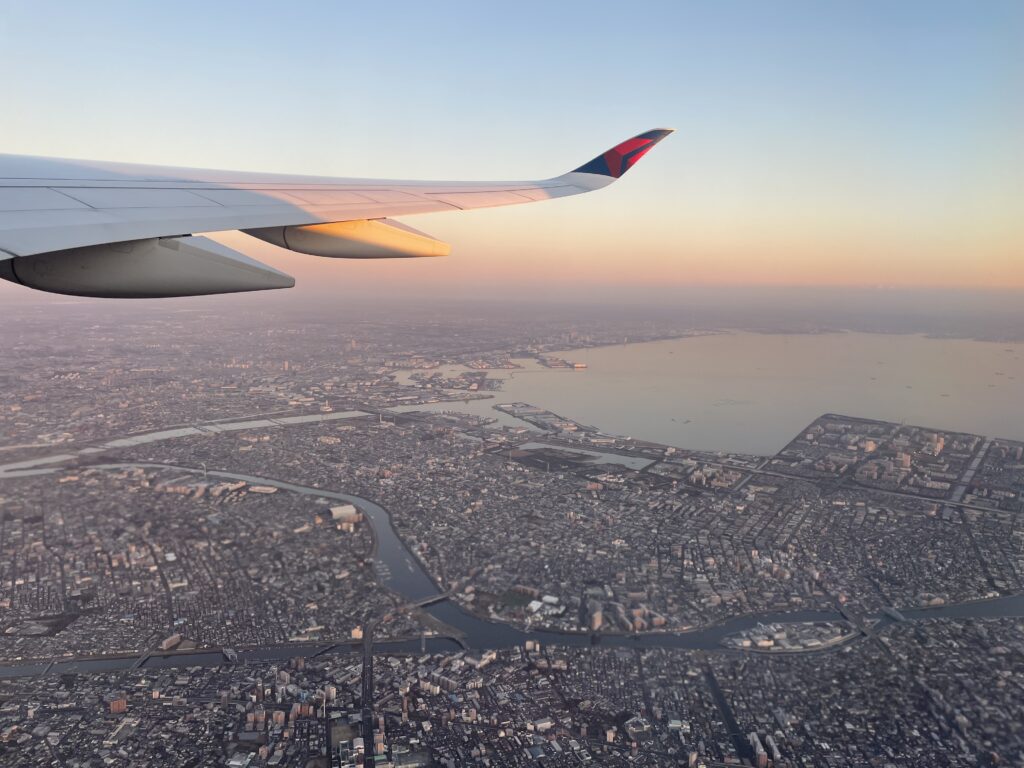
[(751, 392), (756, 332)]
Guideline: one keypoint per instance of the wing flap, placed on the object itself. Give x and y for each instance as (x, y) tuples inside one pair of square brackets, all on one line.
[(231, 198), (36, 199), (105, 198), (488, 199), (329, 197)]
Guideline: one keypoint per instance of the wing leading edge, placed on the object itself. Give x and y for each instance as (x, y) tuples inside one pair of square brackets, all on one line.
[(51, 205)]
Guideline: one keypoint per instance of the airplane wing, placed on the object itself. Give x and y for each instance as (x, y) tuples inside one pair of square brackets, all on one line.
[(121, 230)]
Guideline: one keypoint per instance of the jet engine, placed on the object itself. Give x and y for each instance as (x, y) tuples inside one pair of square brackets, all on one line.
[(142, 269)]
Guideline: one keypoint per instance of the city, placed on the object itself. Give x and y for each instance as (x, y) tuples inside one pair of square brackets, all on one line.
[(287, 558), (512, 385)]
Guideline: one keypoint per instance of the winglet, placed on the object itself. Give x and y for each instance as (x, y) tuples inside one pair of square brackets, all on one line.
[(620, 158)]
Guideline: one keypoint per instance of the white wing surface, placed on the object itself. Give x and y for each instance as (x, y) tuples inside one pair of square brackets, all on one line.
[(60, 219)]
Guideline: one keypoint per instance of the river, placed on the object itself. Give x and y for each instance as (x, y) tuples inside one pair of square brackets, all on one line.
[(402, 572)]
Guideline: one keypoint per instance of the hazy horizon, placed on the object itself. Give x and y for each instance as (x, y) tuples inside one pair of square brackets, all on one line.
[(970, 314)]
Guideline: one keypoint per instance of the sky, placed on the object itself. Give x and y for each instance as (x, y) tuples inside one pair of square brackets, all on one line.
[(861, 143)]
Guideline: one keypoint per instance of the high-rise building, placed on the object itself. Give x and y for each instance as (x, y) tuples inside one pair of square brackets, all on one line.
[(760, 756)]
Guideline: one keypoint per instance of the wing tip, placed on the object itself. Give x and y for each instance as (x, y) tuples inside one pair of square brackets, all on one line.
[(623, 156)]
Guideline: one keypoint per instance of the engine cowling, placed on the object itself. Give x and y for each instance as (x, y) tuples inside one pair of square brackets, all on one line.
[(362, 239), (138, 269)]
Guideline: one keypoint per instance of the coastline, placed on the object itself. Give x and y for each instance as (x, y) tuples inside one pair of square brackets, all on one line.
[(749, 392)]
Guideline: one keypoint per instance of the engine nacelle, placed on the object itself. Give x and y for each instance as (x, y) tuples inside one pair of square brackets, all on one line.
[(362, 239), (144, 269)]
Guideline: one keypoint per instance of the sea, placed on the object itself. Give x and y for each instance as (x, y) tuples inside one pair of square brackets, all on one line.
[(753, 392)]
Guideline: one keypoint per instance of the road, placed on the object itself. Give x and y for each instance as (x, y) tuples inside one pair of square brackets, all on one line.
[(366, 700), (751, 472)]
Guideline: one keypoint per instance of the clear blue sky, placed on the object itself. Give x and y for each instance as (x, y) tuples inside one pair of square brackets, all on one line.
[(884, 134)]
